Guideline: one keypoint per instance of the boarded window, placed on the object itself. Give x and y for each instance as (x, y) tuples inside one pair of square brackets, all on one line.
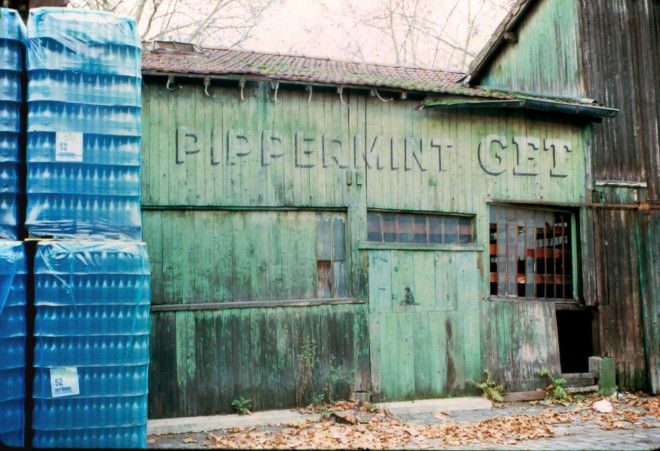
[(531, 253), (419, 228), (331, 255)]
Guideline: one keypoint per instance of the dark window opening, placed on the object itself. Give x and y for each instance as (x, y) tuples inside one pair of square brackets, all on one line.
[(419, 228), (531, 253)]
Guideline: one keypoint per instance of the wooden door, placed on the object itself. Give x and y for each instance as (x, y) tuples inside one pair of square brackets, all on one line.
[(424, 323)]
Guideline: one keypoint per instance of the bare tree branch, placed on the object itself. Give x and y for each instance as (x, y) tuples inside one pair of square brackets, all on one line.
[(412, 32), (229, 22)]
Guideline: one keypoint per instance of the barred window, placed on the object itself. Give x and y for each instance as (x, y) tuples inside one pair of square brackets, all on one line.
[(531, 253), (419, 228)]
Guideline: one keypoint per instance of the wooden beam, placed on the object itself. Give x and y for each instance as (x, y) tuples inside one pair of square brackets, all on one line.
[(535, 395), (254, 304)]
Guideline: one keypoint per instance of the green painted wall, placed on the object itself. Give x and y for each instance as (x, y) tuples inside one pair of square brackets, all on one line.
[(650, 244), (546, 58), (222, 256), (230, 191), (203, 360), (520, 339), (292, 153)]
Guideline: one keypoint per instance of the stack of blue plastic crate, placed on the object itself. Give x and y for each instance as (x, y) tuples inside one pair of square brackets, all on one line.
[(13, 331), (84, 125), (12, 68), (92, 344), (92, 280), (13, 271)]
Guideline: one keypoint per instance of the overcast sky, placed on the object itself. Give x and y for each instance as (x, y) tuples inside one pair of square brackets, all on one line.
[(423, 33), (294, 27)]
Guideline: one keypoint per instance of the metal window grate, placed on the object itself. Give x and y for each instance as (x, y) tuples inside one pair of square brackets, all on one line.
[(531, 253), (419, 228)]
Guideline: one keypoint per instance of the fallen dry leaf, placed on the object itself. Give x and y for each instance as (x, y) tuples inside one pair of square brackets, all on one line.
[(382, 430)]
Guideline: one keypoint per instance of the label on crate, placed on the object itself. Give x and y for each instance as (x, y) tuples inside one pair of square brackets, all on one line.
[(64, 381), (69, 146)]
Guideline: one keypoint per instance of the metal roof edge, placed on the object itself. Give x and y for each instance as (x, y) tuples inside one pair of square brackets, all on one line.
[(579, 109), (570, 108)]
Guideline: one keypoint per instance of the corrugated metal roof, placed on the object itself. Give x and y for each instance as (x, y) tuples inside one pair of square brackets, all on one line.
[(179, 58)]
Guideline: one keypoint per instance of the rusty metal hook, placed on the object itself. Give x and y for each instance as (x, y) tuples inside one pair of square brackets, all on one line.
[(170, 80)]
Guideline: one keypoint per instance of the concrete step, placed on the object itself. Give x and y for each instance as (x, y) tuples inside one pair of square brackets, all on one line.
[(579, 379), (582, 389)]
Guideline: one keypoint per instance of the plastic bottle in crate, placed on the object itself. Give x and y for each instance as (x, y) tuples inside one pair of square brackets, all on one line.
[(92, 338), (13, 330), (12, 67), (84, 116)]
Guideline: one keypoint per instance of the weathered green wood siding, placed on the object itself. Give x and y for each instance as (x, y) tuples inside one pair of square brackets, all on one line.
[(649, 233), (230, 191), (201, 361), (457, 161), (227, 256), (546, 58), (430, 349), (295, 153), (253, 152), (519, 340)]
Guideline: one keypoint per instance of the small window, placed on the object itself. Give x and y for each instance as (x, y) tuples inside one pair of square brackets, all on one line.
[(331, 255), (531, 253), (419, 228)]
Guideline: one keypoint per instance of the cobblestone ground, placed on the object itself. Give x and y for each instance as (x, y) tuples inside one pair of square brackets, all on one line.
[(587, 432), (583, 435)]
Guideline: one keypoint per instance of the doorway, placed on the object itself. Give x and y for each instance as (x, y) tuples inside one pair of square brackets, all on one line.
[(575, 340)]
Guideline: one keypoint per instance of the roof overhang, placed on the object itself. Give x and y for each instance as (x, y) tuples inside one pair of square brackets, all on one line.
[(589, 111)]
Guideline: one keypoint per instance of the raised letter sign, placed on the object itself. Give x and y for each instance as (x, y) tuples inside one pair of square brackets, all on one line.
[(332, 149), (237, 146), (491, 162), (271, 147), (527, 153), (303, 151), (186, 143), (560, 149)]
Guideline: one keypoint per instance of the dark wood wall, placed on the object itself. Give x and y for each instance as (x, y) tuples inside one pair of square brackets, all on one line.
[(621, 69), (621, 66)]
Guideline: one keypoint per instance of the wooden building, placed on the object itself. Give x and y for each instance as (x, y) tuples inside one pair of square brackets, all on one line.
[(318, 228), (606, 50)]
